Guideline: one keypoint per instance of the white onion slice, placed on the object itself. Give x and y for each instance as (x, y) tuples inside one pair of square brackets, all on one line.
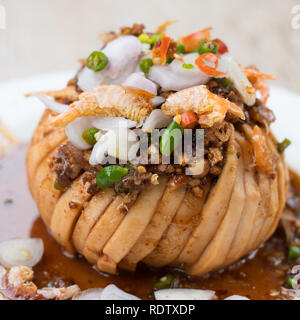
[(107, 123), (21, 252), (3, 273), (112, 292), (90, 294), (156, 120), (75, 129), (237, 76), (138, 80), (123, 55), (171, 77), (236, 297), (146, 47), (184, 294), (51, 104), (195, 72), (89, 79), (157, 101)]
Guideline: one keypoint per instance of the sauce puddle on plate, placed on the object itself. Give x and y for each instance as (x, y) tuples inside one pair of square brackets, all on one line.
[(259, 277)]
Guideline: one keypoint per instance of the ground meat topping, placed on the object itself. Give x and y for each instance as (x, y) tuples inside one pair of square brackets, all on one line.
[(260, 113), (135, 30), (68, 163)]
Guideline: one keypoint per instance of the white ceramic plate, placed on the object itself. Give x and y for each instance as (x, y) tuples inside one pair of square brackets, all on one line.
[(21, 114)]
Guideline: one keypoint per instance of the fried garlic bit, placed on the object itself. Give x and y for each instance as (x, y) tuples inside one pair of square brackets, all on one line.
[(109, 100), (211, 108), (18, 281)]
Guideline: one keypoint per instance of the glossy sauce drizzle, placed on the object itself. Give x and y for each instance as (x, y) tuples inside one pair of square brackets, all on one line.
[(256, 278)]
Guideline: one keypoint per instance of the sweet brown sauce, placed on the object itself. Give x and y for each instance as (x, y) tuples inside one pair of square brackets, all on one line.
[(256, 278)]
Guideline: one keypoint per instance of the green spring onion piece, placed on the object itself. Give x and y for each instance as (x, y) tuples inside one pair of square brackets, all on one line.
[(290, 282), (144, 38), (294, 252), (57, 185), (97, 61), (146, 64), (170, 138), (187, 66), (208, 47), (224, 83), (169, 60), (89, 136), (155, 38), (283, 145), (180, 48), (110, 175), (164, 282)]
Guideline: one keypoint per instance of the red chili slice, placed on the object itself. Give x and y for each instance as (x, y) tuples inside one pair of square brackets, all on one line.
[(222, 46), (189, 120), (211, 71), (161, 51)]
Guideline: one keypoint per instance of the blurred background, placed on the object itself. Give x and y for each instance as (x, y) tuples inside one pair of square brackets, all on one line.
[(51, 35)]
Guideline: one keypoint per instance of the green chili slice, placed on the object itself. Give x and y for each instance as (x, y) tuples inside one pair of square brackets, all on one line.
[(290, 282), (97, 61), (224, 83), (110, 175), (144, 38), (294, 252), (169, 60), (187, 66), (283, 145), (146, 64), (57, 185), (170, 138), (164, 282), (155, 38), (208, 47), (89, 136), (180, 48)]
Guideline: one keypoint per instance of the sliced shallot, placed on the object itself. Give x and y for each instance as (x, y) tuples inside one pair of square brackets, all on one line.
[(3, 273), (138, 80), (236, 297), (51, 104), (157, 101), (184, 294), (112, 292), (156, 120), (123, 55), (75, 129), (175, 77), (21, 252), (237, 76)]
